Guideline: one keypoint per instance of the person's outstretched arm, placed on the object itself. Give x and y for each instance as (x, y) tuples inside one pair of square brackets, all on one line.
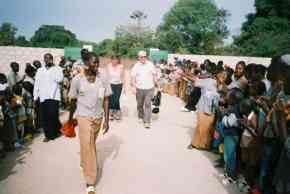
[(107, 112)]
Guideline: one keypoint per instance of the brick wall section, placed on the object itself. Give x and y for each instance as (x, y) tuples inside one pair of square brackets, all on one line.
[(24, 55)]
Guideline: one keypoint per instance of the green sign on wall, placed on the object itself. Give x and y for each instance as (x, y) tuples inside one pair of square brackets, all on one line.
[(72, 52), (157, 55)]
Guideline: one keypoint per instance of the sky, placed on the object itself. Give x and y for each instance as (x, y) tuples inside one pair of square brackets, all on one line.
[(95, 20)]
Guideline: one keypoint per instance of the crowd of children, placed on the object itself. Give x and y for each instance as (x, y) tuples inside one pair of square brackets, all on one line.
[(19, 113), (242, 115)]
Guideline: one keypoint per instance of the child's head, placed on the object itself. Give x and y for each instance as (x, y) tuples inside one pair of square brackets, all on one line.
[(15, 67), (36, 64), (240, 69), (222, 77), (220, 66), (276, 70), (256, 88), (250, 71), (210, 67), (3, 78), (17, 89), (230, 73), (261, 72), (246, 106), (30, 70), (234, 96)]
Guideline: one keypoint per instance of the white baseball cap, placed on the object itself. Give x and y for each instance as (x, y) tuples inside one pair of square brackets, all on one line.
[(142, 54)]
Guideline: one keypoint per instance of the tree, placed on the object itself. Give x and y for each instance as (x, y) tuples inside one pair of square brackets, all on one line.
[(52, 36), (195, 26), (21, 41), (267, 32), (7, 34), (129, 39), (104, 48)]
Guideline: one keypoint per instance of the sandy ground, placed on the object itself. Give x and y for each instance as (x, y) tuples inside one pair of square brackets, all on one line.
[(132, 160)]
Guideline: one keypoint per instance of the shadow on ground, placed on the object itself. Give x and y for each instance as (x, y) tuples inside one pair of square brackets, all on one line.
[(13, 159), (107, 148)]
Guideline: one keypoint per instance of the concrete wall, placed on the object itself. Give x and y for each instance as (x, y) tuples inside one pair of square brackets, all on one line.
[(24, 55), (229, 60)]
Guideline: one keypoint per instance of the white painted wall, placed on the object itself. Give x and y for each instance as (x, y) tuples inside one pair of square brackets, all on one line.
[(23, 55)]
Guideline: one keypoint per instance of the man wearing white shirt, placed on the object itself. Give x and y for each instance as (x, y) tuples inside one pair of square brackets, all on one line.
[(47, 90), (143, 81)]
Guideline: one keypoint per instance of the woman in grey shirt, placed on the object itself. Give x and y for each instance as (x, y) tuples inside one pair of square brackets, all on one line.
[(90, 93)]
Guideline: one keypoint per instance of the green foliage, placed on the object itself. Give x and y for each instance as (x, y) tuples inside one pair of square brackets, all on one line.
[(50, 36), (195, 26), (7, 34), (266, 33), (21, 41), (278, 8), (104, 48), (128, 41)]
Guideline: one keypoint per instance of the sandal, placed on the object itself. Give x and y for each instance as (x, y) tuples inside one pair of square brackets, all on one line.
[(191, 147), (228, 181), (91, 190)]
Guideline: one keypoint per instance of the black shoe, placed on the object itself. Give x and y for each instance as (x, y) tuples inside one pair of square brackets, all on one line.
[(45, 140), (215, 151), (219, 165), (37, 131), (59, 134), (221, 160)]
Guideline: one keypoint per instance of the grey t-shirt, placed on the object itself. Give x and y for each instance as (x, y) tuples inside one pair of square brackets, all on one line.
[(90, 96)]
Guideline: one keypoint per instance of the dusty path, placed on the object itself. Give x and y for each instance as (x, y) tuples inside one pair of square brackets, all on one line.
[(133, 160)]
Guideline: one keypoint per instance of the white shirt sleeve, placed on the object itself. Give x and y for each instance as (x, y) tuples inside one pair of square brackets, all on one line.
[(36, 86), (200, 83), (154, 70), (74, 88), (58, 75), (134, 71)]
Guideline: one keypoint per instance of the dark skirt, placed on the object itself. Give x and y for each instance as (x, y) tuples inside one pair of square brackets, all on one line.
[(115, 97)]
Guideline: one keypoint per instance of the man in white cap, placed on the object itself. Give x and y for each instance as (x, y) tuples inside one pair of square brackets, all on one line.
[(144, 79)]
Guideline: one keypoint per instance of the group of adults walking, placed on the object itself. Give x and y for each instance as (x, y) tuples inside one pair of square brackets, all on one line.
[(95, 98), (94, 93)]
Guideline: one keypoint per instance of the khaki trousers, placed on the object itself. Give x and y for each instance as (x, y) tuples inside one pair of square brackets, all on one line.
[(88, 131)]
